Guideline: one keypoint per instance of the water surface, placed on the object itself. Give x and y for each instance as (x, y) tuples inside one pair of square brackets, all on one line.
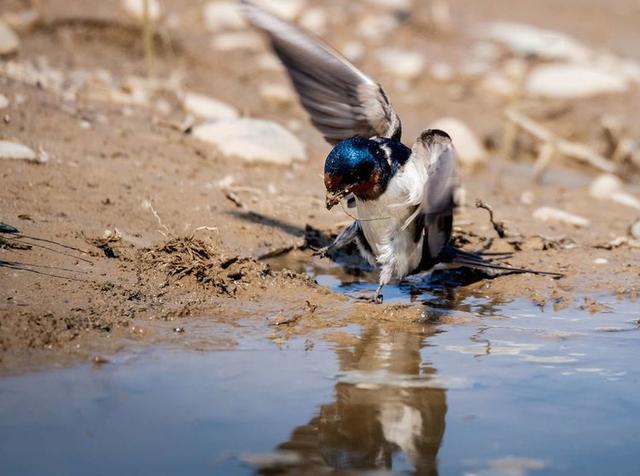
[(521, 390)]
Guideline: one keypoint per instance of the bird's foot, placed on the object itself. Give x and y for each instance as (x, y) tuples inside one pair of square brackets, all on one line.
[(322, 252), (374, 298)]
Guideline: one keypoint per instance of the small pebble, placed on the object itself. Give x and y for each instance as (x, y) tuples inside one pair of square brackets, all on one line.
[(353, 50), (277, 94), (268, 62), (9, 42), (4, 102), (404, 64), (237, 41), (22, 21), (287, 9), (208, 107), (179, 330), (635, 230), (314, 20), (600, 261), (610, 187), (135, 8), (377, 26), (441, 71), (555, 214), (220, 16), (527, 197), (99, 360), (499, 83), (280, 319)]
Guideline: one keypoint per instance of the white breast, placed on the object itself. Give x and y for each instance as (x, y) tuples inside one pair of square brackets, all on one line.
[(383, 222)]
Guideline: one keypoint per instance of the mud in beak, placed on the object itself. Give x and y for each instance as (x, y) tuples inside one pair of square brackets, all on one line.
[(333, 198)]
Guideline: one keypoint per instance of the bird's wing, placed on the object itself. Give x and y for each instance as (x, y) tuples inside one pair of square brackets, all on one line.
[(434, 152), (343, 102)]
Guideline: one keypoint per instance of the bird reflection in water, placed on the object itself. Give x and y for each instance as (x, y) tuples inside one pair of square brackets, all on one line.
[(386, 414)]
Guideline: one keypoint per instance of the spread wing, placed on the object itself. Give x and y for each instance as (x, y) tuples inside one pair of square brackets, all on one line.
[(435, 151), (342, 101)]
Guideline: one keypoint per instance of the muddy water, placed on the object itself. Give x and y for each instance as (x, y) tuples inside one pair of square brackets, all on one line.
[(518, 390)]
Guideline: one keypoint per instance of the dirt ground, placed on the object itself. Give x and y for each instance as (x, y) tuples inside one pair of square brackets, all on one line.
[(156, 232)]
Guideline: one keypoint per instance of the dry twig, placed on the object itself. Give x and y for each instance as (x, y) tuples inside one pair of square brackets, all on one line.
[(498, 226), (573, 150)]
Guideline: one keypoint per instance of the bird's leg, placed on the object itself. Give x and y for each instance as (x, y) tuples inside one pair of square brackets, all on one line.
[(385, 278), (378, 296)]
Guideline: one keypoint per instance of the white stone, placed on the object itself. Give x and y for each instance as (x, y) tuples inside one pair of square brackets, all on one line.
[(393, 4), (23, 20), (600, 261), (314, 20), (610, 187), (208, 107), (634, 230), (4, 102), (528, 40), (240, 40), (499, 83), (557, 215), (527, 197), (294, 125), (287, 9), (630, 69), (277, 93), (486, 51), (604, 186), (353, 50), (572, 81), (163, 106), (268, 62), (441, 71), (13, 150), (220, 16), (253, 140), (136, 9), (377, 26), (9, 41), (469, 150), (401, 63)]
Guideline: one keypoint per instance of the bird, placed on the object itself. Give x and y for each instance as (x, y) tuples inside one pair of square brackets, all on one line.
[(404, 198)]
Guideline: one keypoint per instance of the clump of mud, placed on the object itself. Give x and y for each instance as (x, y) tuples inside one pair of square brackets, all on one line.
[(188, 257)]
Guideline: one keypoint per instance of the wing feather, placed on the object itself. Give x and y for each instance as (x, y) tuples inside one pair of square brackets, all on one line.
[(342, 101), (435, 151)]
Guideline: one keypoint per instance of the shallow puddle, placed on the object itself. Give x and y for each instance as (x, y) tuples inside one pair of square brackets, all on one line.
[(519, 391)]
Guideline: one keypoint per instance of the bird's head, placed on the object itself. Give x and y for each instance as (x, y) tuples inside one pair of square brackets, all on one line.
[(359, 166)]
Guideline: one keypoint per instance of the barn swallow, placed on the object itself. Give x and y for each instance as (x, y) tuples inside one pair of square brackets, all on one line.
[(404, 197)]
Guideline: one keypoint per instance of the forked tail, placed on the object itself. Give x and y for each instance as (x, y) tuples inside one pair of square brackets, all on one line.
[(475, 260)]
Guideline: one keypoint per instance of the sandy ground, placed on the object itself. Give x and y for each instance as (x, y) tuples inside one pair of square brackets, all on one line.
[(181, 245)]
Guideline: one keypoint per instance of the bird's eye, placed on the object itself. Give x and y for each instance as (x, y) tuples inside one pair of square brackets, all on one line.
[(363, 171)]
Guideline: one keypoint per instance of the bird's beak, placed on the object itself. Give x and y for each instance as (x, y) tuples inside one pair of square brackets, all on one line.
[(333, 198)]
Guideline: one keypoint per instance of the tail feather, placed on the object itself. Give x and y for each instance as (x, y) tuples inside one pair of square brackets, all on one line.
[(477, 254), (473, 260)]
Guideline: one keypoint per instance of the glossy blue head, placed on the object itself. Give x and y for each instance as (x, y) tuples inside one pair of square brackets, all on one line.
[(362, 167)]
